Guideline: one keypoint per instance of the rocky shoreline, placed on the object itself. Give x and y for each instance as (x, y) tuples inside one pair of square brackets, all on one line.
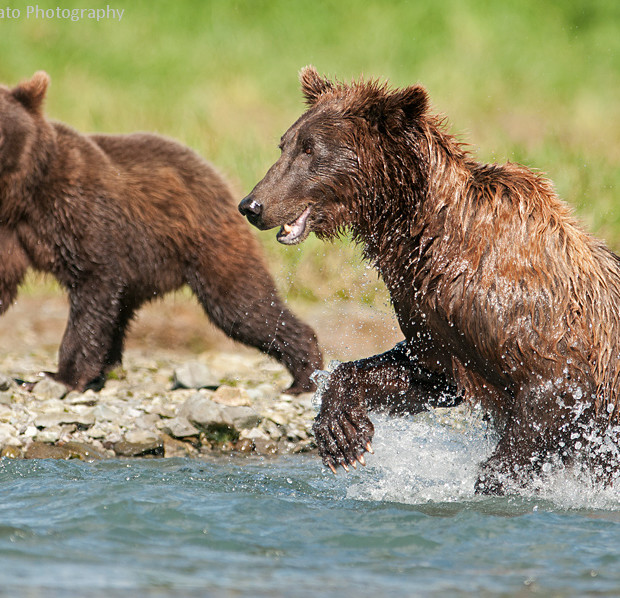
[(157, 405)]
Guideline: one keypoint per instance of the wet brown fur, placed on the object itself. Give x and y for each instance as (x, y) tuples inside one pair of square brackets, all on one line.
[(123, 219), (501, 296)]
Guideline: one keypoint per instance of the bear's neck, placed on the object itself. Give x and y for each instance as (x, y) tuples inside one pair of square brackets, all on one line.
[(19, 188), (403, 216)]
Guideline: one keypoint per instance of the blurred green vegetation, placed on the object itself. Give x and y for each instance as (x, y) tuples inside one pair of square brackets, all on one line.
[(522, 80)]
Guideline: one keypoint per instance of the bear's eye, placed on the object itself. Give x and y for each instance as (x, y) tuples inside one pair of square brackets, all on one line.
[(308, 147)]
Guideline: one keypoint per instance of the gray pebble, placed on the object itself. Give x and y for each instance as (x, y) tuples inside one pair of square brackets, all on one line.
[(194, 374)]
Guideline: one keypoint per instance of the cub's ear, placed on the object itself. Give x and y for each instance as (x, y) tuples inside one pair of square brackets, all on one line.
[(313, 85), (31, 93)]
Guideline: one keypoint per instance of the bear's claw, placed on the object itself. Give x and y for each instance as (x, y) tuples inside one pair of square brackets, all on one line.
[(343, 439)]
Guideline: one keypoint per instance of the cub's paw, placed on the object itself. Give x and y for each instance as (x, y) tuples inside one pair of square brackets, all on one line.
[(343, 433)]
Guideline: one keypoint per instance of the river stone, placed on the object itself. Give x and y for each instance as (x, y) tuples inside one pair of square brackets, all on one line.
[(231, 396), (5, 413), (272, 429), (254, 434), (194, 374), (83, 451), (47, 420), (88, 397), (5, 382), (241, 418), (70, 450), (49, 389), (108, 431), (147, 421), (179, 427), (265, 446), (124, 448), (105, 413), (51, 434), (294, 432), (244, 445), (8, 435), (142, 436), (202, 412), (30, 431), (178, 448), (11, 452)]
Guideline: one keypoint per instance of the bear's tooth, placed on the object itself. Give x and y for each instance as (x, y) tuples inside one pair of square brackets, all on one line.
[(288, 229)]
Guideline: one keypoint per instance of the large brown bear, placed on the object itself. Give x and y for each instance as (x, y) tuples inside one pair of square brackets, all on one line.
[(501, 297), (123, 219)]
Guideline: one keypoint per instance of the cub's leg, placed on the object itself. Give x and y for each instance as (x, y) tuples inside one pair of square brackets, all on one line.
[(392, 382), (15, 263), (93, 340), (114, 356), (239, 296)]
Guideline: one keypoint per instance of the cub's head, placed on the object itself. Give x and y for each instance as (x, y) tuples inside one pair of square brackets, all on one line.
[(332, 156), (21, 122)]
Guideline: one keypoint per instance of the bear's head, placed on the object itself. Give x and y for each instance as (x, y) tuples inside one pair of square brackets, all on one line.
[(23, 128), (332, 156)]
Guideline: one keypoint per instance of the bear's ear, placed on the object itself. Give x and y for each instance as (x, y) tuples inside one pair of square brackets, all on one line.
[(395, 109), (411, 101), (31, 93), (313, 85)]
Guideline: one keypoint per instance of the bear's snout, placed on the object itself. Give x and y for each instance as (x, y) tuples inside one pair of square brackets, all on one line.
[(251, 209)]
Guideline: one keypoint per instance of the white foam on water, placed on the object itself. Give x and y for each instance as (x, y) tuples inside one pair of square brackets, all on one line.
[(574, 488), (435, 457), (432, 457)]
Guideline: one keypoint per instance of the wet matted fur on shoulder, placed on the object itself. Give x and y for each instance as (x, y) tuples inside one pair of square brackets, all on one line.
[(502, 297)]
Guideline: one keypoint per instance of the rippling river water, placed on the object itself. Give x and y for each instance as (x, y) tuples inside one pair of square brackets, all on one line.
[(407, 525)]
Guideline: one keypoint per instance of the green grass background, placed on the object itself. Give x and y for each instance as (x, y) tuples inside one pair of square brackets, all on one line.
[(532, 81)]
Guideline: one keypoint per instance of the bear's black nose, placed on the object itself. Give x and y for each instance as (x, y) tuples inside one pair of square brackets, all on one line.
[(250, 208)]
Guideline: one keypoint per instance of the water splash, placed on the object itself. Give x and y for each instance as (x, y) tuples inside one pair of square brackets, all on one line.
[(432, 457), (435, 458), (320, 378)]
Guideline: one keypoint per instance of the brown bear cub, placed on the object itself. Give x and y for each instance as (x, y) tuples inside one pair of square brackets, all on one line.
[(123, 219), (501, 297)]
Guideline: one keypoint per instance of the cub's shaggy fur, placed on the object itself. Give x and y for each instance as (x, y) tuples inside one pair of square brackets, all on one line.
[(123, 219)]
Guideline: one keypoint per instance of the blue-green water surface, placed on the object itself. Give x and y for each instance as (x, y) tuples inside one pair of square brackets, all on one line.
[(407, 525)]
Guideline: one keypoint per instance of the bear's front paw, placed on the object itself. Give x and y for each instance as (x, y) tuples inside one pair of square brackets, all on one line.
[(343, 433)]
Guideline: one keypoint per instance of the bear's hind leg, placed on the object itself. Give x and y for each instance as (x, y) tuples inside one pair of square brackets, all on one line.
[(242, 301), (541, 427)]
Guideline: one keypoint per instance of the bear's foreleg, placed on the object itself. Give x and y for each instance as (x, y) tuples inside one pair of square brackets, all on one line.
[(15, 262), (93, 340), (392, 382)]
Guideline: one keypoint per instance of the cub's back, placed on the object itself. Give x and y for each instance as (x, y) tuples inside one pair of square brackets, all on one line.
[(160, 173)]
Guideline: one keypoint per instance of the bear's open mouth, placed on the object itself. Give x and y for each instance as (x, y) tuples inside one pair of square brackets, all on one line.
[(289, 234)]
